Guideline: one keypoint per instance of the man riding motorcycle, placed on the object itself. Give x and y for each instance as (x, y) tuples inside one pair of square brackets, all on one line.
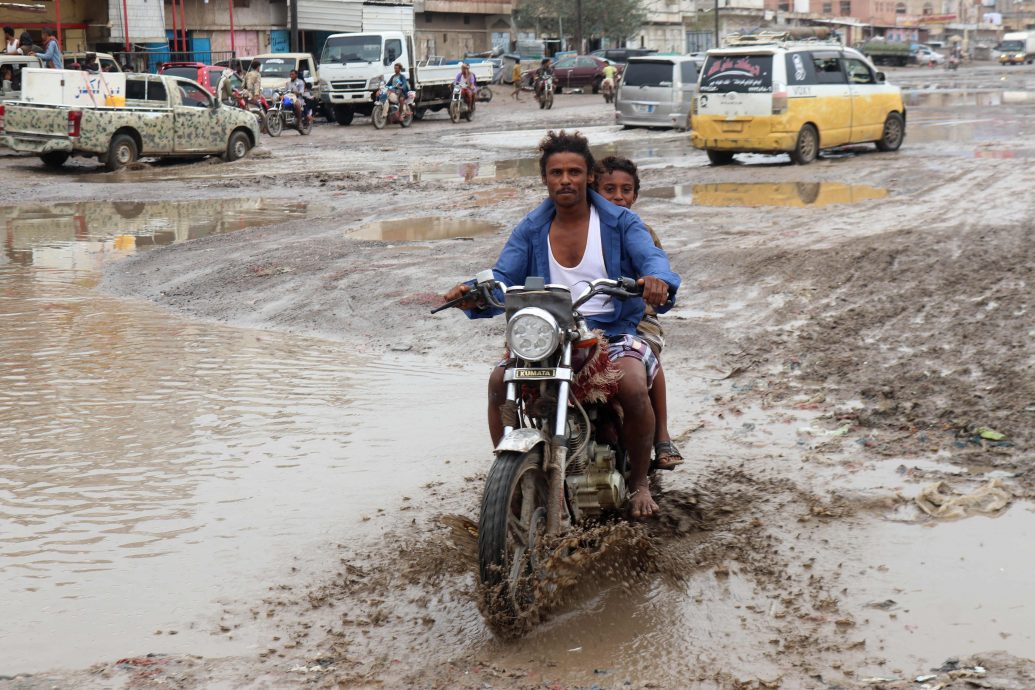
[(577, 236), (544, 70), (470, 82), (297, 88), (610, 72), (252, 87), (225, 88), (397, 83)]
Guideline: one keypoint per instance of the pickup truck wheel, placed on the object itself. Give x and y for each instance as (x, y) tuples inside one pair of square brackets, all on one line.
[(54, 159), (237, 147), (419, 113), (807, 147), (121, 152), (894, 133)]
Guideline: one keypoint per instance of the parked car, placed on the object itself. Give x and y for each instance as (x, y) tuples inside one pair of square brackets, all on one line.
[(620, 56), (579, 71), (796, 99), (656, 91), (106, 61), (925, 55), (206, 75)]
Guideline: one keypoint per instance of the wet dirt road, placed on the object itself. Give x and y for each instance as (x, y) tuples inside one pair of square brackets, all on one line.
[(296, 510)]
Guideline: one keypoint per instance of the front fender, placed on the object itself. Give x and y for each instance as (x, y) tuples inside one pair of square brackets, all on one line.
[(521, 441)]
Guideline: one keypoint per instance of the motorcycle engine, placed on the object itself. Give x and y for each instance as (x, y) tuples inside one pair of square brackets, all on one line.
[(599, 488)]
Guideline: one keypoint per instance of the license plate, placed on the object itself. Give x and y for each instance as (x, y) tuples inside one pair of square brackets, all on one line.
[(732, 126), (641, 108)]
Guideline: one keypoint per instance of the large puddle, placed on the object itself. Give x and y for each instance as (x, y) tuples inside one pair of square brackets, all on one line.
[(426, 228), (795, 194), (152, 469)]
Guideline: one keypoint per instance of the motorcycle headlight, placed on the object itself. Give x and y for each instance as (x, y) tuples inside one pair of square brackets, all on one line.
[(532, 334), (375, 82)]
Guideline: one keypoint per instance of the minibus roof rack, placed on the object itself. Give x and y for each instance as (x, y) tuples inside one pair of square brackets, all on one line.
[(791, 36)]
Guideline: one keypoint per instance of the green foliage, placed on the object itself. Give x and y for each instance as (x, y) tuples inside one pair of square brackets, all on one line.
[(617, 19)]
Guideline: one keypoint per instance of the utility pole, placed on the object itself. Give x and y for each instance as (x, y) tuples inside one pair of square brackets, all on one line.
[(717, 24), (294, 25), (578, 27)]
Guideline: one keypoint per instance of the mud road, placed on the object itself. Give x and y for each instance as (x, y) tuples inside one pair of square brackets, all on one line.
[(237, 451)]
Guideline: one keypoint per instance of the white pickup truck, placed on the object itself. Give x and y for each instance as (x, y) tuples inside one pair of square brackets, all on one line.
[(120, 117), (353, 65)]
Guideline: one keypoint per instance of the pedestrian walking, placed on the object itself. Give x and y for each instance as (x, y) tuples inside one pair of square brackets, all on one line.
[(515, 75)]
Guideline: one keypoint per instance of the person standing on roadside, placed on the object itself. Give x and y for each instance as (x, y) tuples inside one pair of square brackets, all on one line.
[(516, 76), (51, 54), (10, 42)]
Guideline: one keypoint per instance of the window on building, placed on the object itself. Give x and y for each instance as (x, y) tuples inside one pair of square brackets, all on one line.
[(901, 8), (467, 19), (928, 9), (846, 7), (828, 8), (427, 17), (784, 6)]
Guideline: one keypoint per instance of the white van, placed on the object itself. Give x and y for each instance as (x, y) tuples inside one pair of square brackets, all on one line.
[(656, 91)]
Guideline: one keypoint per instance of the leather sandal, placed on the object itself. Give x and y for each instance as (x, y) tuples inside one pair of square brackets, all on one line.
[(667, 449)]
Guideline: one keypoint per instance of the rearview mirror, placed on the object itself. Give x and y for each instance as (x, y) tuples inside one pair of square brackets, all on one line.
[(880, 77)]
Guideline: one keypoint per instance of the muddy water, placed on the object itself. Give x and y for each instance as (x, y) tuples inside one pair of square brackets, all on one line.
[(799, 194), (155, 472)]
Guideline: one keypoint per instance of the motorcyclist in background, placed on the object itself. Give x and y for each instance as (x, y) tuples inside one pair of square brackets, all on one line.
[(296, 87), (545, 70), (225, 88), (465, 77), (253, 83), (398, 83)]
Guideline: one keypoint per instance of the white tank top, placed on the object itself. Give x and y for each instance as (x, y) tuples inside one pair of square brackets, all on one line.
[(590, 268)]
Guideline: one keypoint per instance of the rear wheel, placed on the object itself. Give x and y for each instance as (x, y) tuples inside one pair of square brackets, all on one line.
[(484, 94), (274, 123), (121, 152), (807, 147), (237, 146), (378, 117), (54, 159), (407, 119), (510, 526), (720, 157), (419, 113), (305, 125), (894, 133)]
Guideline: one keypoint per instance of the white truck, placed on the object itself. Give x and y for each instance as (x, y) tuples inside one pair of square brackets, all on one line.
[(352, 66), (1017, 48)]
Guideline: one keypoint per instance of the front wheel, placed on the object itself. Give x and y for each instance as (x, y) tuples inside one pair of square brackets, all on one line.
[(54, 159), (237, 146), (894, 133), (378, 117), (510, 527), (720, 157), (274, 123), (549, 101), (454, 112), (807, 147), (343, 115)]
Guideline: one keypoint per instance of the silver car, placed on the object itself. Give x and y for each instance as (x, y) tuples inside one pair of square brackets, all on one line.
[(656, 91)]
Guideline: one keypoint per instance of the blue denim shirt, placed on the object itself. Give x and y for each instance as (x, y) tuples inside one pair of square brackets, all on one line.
[(52, 55), (628, 250)]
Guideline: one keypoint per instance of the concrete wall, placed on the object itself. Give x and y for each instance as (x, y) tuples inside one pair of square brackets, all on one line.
[(451, 34)]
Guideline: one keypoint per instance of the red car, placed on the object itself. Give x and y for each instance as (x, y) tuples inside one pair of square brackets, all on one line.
[(206, 75), (580, 70)]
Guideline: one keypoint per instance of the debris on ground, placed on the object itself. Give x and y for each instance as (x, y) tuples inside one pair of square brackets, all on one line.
[(942, 501)]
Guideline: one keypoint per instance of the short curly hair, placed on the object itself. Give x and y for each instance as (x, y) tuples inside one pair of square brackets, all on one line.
[(612, 163), (562, 142)]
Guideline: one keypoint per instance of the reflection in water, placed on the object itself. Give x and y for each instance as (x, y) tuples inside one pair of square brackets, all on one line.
[(151, 467), (54, 234), (957, 99), (427, 228), (767, 193)]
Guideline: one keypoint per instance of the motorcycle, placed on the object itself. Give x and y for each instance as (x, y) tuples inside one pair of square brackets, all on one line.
[(545, 95), (459, 105), (282, 114), (392, 111), (258, 109), (953, 63), (559, 464), (607, 87)]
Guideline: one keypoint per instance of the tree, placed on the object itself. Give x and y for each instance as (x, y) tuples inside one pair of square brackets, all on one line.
[(617, 19)]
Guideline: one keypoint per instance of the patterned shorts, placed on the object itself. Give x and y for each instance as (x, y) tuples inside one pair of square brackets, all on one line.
[(617, 347)]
